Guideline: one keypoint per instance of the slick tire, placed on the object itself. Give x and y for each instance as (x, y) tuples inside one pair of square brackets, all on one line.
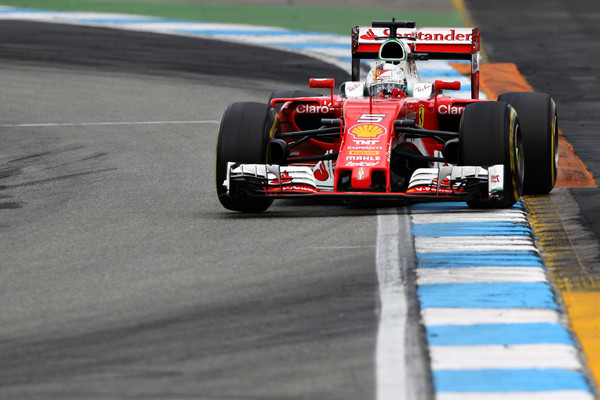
[(539, 128), (490, 135), (243, 138)]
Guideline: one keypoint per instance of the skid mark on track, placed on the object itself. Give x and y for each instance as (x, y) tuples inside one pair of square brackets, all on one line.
[(60, 164), (59, 178)]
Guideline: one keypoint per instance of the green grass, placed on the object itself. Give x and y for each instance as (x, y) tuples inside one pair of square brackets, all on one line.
[(319, 19)]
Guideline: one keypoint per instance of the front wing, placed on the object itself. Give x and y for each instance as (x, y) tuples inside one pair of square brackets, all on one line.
[(426, 184)]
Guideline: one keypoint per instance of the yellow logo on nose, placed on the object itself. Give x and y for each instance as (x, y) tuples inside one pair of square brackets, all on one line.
[(367, 131)]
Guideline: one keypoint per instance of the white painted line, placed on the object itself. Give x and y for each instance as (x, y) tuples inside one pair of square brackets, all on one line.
[(474, 316), (554, 395), (109, 123), (474, 243), (427, 276), (401, 368), (504, 357), (390, 355)]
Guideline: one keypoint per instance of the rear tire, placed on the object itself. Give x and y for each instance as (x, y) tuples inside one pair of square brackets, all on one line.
[(490, 135), (539, 127), (244, 134)]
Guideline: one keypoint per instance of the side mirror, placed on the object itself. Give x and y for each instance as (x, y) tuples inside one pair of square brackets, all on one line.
[(455, 85), (322, 83)]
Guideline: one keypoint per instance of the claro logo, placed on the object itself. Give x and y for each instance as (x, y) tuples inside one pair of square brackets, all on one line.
[(313, 108), (450, 110)]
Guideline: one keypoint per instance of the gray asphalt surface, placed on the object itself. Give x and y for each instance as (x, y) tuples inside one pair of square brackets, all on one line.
[(121, 275), (554, 44)]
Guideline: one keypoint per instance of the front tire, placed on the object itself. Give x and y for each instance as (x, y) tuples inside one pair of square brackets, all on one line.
[(539, 125), (490, 135), (244, 134)]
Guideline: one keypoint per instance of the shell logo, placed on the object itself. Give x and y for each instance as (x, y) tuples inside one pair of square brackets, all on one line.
[(367, 131)]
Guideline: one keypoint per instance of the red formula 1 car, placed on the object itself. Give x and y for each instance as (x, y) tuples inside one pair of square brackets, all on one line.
[(390, 136)]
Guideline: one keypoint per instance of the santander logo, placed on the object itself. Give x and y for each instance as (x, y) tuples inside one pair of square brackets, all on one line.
[(427, 34)]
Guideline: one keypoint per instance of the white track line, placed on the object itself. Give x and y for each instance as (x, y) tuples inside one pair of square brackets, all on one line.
[(107, 123), (391, 338)]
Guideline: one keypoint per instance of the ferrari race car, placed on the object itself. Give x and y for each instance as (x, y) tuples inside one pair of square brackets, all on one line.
[(390, 136)]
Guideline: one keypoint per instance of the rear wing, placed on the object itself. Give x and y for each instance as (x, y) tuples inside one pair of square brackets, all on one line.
[(424, 43)]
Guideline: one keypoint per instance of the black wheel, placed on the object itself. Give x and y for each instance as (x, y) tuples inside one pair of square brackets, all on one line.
[(539, 127), (290, 94), (243, 138), (490, 135)]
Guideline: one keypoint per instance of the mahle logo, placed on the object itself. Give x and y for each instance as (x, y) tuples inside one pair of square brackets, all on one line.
[(367, 131)]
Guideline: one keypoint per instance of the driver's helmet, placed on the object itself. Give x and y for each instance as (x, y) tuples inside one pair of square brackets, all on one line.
[(384, 78)]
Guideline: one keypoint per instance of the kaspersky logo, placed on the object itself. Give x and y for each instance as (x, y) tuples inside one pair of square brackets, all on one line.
[(367, 131)]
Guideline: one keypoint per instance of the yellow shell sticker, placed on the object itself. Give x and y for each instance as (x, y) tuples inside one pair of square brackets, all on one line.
[(421, 116), (367, 130)]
